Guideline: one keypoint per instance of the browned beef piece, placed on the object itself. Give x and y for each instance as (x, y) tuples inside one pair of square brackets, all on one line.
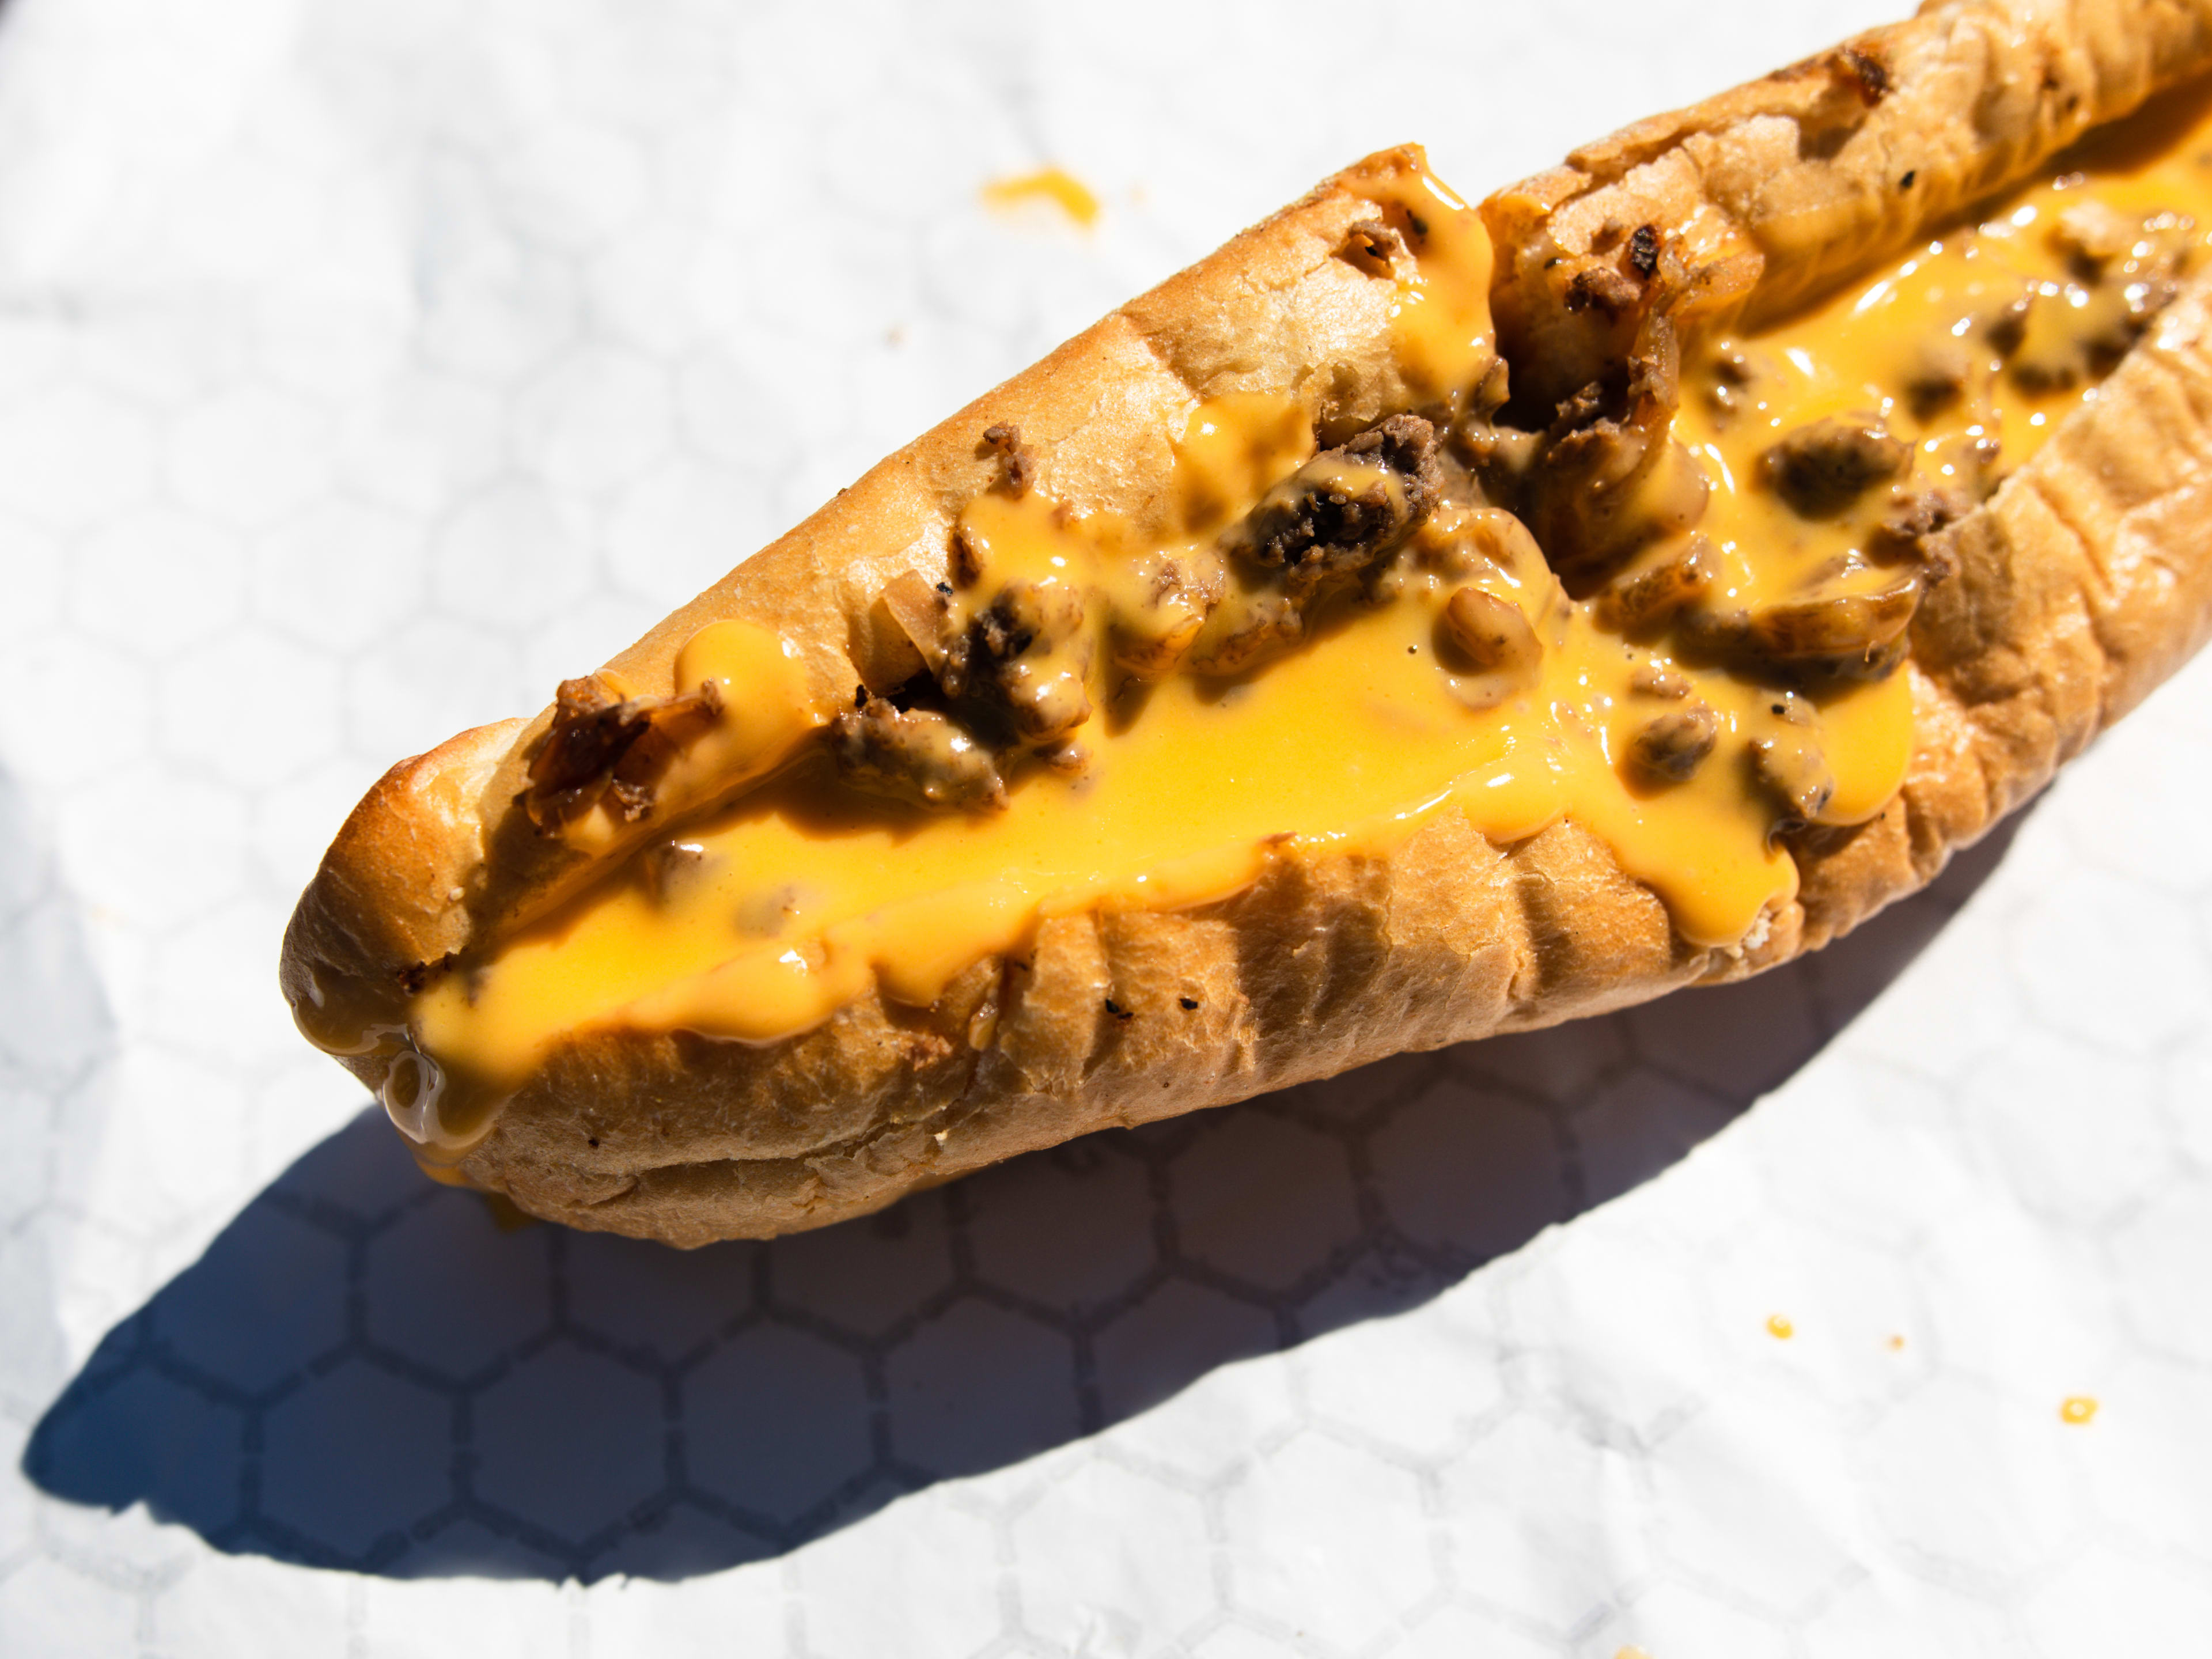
[(1670, 747), (1024, 657), (1821, 469), (1016, 466), (1346, 508), (604, 747), (914, 755), (1908, 532)]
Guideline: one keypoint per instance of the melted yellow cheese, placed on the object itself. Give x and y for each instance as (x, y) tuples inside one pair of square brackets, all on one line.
[(1054, 185), (764, 919), (1857, 353)]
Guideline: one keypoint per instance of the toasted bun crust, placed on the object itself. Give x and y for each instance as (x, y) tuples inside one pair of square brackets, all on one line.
[(2083, 582)]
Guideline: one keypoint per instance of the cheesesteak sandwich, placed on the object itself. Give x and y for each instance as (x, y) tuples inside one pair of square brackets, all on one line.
[(1414, 622)]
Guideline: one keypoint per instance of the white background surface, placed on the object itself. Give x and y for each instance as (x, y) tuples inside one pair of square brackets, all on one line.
[(364, 369)]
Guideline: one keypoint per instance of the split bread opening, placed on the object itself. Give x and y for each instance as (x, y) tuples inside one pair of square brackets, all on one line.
[(1416, 621)]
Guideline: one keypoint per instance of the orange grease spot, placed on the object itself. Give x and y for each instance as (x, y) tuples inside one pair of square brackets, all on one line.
[(1054, 185)]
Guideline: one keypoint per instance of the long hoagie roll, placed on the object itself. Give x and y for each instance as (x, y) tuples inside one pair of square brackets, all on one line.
[(1413, 623)]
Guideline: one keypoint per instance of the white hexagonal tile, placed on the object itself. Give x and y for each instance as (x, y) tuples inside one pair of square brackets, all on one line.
[(511, 558), (76, 456), (493, 306), (1671, 1618), (1639, 1125), (339, 575), (2147, 1456), (776, 1421), (939, 1376), (1542, 1523), (1755, 1493), (59, 1615), (232, 1607), (2186, 1092), (1616, 1331), (1205, 1417), (932, 1562), (572, 183), (2161, 1256), (1466, 1168), (2103, 1602), (421, 1616), (1961, 1477), (596, 419), (1262, 1198), (288, 695), (1734, 1041), (1416, 1382), (38, 571), (249, 457), (2077, 1132), (1891, 1614), (1094, 1583), (423, 442), (1328, 1539), (158, 581), (638, 1616), (201, 864), (1810, 1139), (2111, 961), (1819, 1313), (2009, 1303), (1457, 1632)]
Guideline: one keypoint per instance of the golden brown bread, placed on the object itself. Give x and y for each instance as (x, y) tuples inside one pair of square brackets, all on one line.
[(2083, 581)]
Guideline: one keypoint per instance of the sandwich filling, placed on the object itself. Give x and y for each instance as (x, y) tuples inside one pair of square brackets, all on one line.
[(1672, 607)]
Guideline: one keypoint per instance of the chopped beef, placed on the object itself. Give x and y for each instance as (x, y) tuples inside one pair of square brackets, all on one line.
[(1941, 371), (1152, 639), (1672, 746), (1492, 633), (2092, 234), (1821, 635), (1603, 288), (1246, 628), (1869, 72), (605, 747), (1908, 532), (1641, 598), (2008, 327), (2065, 343), (1605, 486), (1654, 680), (914, 755), (1346, 508), (1821, 469), (1793, 766), (1016, 466), (1372, 247), (1578, 413), (1644, 250), (1489, 636), (1834, 626), (964, 561), (1023, 656)]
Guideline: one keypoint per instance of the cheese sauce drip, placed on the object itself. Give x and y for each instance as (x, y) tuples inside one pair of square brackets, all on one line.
[(1100, 721)]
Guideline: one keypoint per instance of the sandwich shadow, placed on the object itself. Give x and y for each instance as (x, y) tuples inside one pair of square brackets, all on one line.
[(369, 1371)]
